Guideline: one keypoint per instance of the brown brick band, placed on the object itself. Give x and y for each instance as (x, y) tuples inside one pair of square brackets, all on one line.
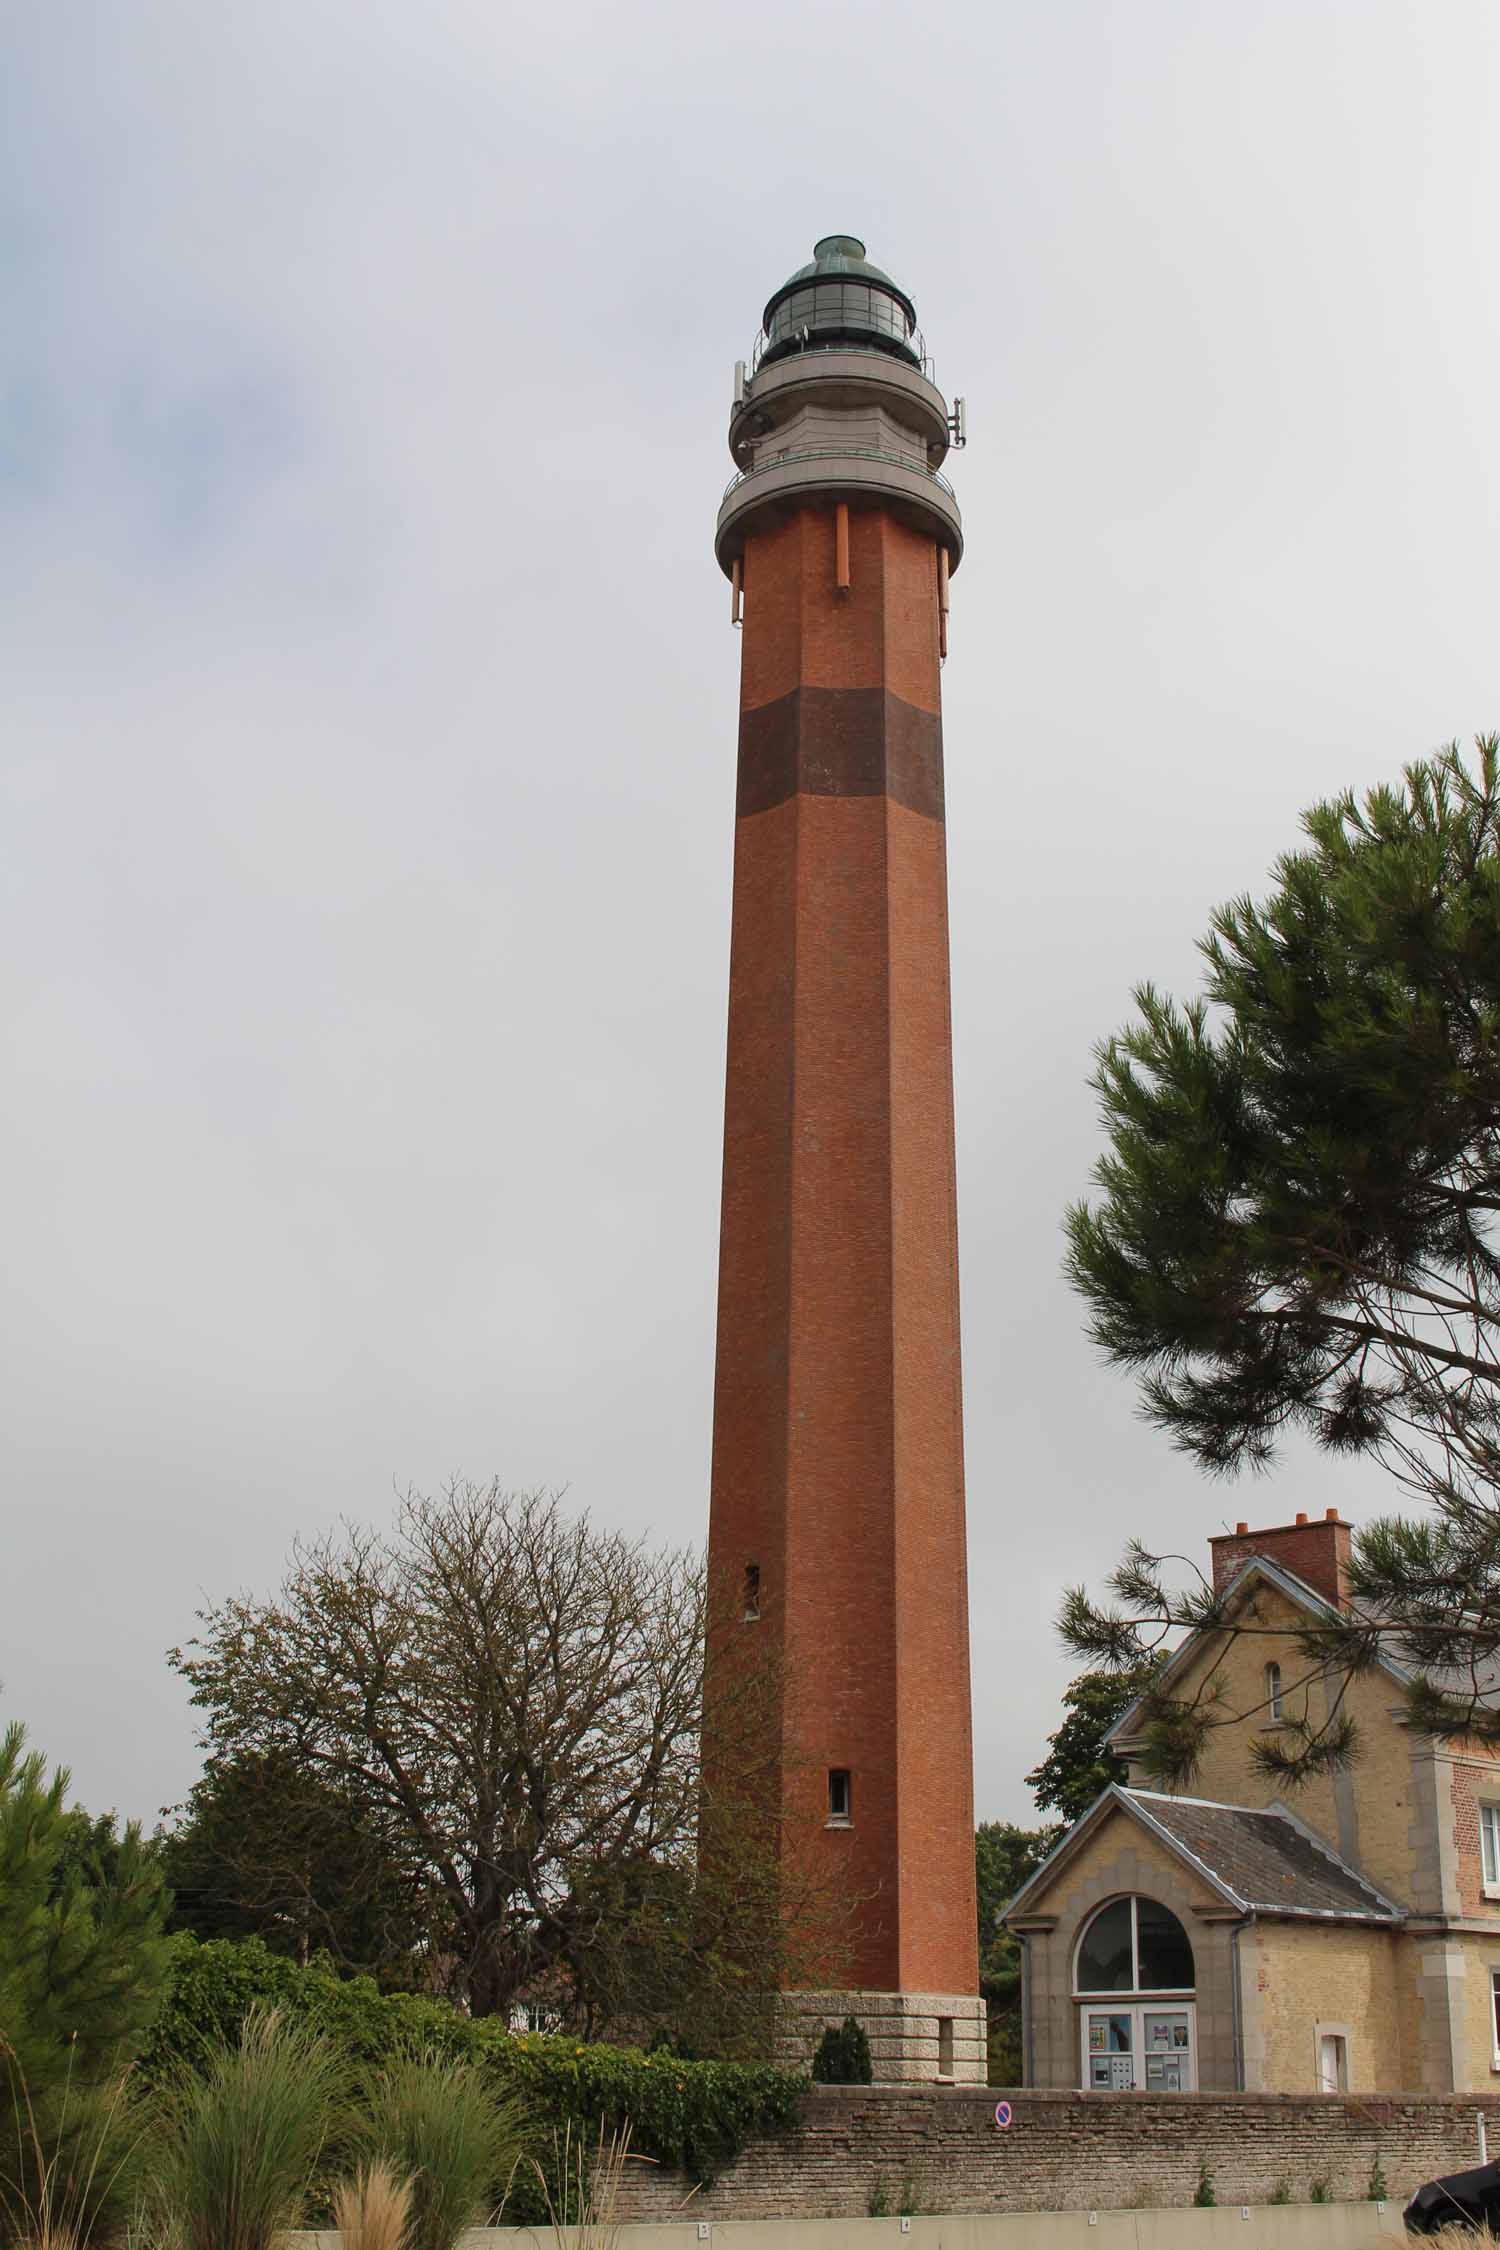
[(841, 742)]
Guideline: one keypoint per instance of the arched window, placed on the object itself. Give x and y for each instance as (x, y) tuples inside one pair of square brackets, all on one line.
[(1273, 1692), (1135, 1952)]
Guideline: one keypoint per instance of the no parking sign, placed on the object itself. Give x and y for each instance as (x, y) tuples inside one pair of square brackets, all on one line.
[(1002, 2115)]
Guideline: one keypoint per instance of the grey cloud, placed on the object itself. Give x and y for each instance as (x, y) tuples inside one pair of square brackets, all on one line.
[(369, 695)]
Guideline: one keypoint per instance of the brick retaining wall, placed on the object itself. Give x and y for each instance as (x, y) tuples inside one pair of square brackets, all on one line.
[(1069, 2152)]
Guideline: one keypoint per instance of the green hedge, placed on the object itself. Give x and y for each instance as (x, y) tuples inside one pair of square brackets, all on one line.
[(691, 2116)]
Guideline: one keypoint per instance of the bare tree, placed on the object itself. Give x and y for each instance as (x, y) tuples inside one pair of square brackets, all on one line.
[(516, 1696)]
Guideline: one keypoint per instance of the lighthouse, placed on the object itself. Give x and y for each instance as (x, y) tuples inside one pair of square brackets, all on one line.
[(836, 1538)]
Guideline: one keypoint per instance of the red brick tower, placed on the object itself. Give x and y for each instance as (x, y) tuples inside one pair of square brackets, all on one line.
[(837, 1525)]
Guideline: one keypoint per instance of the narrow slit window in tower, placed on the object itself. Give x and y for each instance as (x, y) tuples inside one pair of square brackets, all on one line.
[(945, 2046), (752, 1592), (838, 1797)]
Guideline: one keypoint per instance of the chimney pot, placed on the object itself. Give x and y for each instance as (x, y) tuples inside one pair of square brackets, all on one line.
[(1301, 1515), (1240, 1530), (1330, 1515)]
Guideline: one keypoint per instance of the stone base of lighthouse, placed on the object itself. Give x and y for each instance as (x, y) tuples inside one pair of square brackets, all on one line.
[(916, 2038)]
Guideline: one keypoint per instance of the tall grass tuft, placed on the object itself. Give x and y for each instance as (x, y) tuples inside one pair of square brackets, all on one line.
[(238, 2143), (583, 2193), (373, 2210), (438, 2123), (62, 2173)]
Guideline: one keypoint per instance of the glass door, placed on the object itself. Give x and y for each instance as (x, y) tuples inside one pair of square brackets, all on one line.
[(1109, 2062), (1167, 2044)]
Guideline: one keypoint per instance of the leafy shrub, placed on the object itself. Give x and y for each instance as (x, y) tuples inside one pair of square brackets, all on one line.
[(843, 2056), (1377, 2191), (1281, 2192), (1204, 2198), (692, 2116)]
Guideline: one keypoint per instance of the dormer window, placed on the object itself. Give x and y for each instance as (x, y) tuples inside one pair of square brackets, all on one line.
[(1274, 1712)]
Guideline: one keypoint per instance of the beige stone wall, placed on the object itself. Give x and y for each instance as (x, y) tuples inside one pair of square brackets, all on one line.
[(1295, 1976), (1121, 1857), (1474, 2013), (1378, 1813)]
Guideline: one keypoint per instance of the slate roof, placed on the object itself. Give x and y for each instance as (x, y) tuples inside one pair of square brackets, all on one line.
[(1263, 1860)]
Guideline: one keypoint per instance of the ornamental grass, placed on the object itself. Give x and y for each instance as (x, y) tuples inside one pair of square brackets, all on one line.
[(239, 2142), (373, 2210), (438, 2123)]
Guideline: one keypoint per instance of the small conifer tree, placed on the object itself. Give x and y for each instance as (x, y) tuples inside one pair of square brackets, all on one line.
[(843, 2056), (83, 1963)]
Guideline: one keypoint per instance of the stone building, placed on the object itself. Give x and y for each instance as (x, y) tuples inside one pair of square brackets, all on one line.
[(1345, 1938)]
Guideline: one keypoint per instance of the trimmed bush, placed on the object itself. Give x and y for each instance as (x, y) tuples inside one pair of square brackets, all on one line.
[(843, 2056)]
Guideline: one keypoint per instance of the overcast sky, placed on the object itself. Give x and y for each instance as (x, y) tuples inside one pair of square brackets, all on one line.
[(368, 700)]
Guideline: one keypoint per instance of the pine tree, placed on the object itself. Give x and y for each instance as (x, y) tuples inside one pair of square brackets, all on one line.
[(83, 1964), (1297, 1221)]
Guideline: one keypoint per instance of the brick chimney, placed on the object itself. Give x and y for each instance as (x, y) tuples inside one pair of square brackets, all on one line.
[(1317, 1553)]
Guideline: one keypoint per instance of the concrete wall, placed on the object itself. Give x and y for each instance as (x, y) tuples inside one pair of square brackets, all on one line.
[(939, 2150), (1348, 2226)]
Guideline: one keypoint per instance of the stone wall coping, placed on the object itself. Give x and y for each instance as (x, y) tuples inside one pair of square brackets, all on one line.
[(1055, 2097)]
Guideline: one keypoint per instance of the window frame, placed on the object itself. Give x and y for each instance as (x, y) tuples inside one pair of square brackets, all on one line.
[(1495, 2019), (1271, 1680), (945, 2067), (1489, 1850), (844, 1819), (1136, 1988), (1338, 2034)]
